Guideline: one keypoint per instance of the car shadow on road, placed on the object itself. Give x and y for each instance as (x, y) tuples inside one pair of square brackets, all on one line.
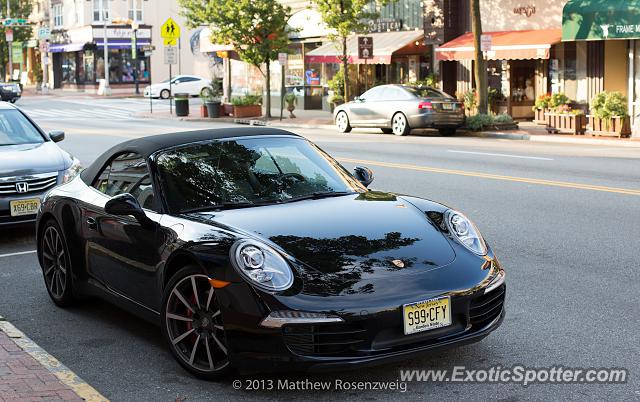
[(17, 238)]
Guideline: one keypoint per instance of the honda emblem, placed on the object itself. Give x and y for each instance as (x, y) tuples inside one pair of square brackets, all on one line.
[(22, 187)]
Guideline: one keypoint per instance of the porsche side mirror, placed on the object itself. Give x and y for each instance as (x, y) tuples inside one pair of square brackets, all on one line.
[(56, 135), (124, 204), (364, 175)]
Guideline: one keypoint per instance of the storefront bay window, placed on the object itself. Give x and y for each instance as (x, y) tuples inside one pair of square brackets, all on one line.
[(121, 67)]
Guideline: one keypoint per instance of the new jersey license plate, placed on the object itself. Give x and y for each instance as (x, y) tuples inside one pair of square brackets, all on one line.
[(24, 207), (427, 314)]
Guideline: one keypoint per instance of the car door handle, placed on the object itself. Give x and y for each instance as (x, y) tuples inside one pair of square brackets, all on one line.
[(92, 223)]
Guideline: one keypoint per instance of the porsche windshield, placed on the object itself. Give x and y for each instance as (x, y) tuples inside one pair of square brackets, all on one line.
[(248, 172)]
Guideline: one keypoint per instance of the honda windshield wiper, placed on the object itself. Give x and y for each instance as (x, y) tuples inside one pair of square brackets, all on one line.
[(318, 195)]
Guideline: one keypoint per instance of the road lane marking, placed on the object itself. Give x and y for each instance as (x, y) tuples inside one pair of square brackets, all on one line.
[(553, 183), (53, 365), (502, 155), (17, 253)]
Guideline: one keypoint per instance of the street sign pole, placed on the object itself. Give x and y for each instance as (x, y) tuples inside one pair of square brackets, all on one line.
[(170, 94), (10, 45)]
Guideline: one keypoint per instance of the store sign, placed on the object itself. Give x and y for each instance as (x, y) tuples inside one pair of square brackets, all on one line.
[(525, 11), (122, 33), (312, 77), (16, 52), (282, 59), (385, 25), (365, 47)]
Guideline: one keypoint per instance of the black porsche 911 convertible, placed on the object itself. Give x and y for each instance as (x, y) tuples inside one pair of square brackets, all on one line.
[(254, 249)]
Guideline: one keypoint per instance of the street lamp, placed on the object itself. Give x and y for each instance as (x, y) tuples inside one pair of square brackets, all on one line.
[(105, 44), (134, 54)]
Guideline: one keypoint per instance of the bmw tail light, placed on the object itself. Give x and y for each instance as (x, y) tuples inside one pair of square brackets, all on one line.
[(425, 105)]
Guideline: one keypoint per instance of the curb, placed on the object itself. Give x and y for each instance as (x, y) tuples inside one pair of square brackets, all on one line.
[(53, 365)]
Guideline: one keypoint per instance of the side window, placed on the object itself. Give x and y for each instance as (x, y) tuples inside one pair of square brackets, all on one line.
[(127, 173), (372, 94)]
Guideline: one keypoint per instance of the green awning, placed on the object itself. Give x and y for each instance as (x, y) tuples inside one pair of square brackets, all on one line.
[(601, 19)]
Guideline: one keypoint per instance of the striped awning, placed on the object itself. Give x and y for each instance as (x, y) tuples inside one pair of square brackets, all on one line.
[(505, 45), (384, 45)]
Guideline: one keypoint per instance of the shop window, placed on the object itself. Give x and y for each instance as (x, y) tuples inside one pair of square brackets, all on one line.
[(100, 10), (56, 11), (121, 66), (69, 68), (135, 10), (570, 82)]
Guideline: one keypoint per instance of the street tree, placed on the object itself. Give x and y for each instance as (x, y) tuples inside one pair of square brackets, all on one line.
[(346, 17), (257, 30), (480, 69), (21, 34)]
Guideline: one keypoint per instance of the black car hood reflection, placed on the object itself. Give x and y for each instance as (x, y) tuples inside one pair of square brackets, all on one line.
[(348, 238)]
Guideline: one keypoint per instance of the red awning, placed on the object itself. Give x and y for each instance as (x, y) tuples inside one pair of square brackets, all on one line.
[(505, 45)]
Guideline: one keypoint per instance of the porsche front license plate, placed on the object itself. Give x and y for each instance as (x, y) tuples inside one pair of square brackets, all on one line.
[(425, 315), (24, 207)]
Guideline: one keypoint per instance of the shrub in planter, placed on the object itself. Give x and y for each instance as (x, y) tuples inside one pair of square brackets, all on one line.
[(335, 100), (540, 107), (558, 100), (609, 114), (210, 96), (247, 106), (469, 99)]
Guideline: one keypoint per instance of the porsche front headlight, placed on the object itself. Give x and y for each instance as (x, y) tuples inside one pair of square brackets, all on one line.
[(465, 231), (261, 265), (72, 171)]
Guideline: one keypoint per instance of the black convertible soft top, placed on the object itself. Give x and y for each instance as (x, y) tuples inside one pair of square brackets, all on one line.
[(145, 146)]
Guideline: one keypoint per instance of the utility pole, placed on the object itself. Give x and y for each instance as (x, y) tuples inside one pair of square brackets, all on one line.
[(105, 43), (10, 45)]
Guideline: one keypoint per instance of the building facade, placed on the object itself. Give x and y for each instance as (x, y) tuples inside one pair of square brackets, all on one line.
[(130, 30)]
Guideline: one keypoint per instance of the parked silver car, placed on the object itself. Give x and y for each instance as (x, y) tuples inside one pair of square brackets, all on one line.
[(399, 108), (30, 165)]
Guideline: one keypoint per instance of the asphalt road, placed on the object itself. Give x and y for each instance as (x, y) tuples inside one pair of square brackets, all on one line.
[(564, 220)]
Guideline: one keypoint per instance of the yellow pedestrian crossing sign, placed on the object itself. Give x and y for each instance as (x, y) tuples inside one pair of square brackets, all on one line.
[(170, 42), (170, 30)]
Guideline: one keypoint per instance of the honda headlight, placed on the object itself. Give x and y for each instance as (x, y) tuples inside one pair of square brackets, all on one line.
[(261, 265), (465, 231), (72, 171)]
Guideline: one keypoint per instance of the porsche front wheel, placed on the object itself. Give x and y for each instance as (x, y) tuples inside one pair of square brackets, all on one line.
[(56, 264), (192, 325)]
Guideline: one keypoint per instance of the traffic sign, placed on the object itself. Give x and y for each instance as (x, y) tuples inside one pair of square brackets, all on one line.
[(365, 47), (8, 35), (14, 21), (44, 33), (170, 55), (282, 58), (170, 42), (44, 46), (485, 43), (170, 30)]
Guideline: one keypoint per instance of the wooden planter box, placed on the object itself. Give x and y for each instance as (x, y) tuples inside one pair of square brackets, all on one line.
[(247, 111), (566, 123), (226, 109), (539, 116), (616, 126)]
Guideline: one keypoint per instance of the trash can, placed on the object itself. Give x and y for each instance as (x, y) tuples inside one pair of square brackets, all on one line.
[(213, 109), (182, 104)]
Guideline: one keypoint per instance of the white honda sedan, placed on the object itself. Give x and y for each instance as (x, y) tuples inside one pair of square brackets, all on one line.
[(190, 84)]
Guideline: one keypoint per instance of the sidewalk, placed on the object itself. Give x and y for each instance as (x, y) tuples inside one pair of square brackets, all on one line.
[(69, 93), (28, 373)]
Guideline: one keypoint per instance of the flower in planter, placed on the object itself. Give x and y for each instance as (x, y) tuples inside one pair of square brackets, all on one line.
[(542, 101)]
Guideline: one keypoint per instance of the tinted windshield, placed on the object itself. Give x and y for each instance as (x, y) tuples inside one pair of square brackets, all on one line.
[(426, 92), (249, 171), (16, 129)]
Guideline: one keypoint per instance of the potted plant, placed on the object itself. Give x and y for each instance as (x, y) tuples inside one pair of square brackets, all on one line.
[(540, 107), (292, 100), (182, 104), (210, 96), (470, 101), (565, 119), (336, 89), (247, 106), (609, 115)]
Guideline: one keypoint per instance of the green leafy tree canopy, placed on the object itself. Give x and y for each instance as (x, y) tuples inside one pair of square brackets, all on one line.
[(257, 29), (19, 9)]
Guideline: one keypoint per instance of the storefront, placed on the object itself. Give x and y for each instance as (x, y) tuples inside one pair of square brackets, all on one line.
[(610, 31), (520, 67), (79, 64)]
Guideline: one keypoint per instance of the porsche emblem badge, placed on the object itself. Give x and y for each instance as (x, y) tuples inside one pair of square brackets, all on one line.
[(398, 263)]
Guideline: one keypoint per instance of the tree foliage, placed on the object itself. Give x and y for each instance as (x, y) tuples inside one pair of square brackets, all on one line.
[(346, 17), (19, 9), (257, 29)]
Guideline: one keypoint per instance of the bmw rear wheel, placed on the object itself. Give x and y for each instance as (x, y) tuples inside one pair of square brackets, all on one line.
[(399, 124), (192, 325), (342, 121), (56, 264)]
